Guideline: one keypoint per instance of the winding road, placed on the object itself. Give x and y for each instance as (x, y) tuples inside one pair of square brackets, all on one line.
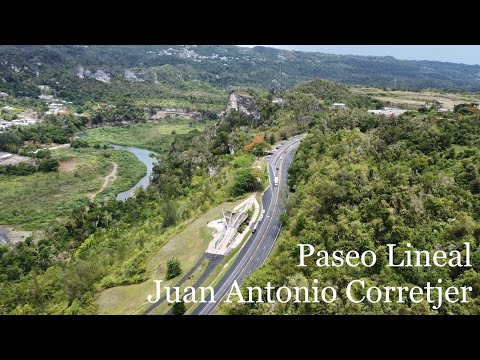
[(261, 243)]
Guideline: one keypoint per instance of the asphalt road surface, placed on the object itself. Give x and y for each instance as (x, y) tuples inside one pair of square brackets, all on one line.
[(213, 261), (260, 244)]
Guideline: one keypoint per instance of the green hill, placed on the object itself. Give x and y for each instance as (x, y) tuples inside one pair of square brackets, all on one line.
[(97, 72)]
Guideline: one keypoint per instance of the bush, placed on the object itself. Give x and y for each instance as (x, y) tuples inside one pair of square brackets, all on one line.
[(179, 308), (79, 143), (48, 165), (173, 268), (43, 154), (21, 169)]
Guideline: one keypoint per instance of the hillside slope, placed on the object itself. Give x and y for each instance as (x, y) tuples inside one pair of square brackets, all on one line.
[(134, 69)]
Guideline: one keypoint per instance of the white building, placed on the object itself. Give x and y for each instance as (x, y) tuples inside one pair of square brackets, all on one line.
[(338, 106), (4, 94), (388, 111), (55, 108)]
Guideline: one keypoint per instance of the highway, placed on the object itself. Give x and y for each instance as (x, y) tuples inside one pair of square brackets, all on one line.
[(258, 247)]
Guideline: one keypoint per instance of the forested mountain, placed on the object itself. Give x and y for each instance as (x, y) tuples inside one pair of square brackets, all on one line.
[(96, 72), (360, 181)]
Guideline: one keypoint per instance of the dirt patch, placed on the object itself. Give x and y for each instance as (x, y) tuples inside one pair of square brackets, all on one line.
[(69, 165), (160, 114), (108, 180), (8, 235)]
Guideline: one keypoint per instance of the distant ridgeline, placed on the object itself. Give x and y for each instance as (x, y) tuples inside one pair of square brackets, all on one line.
[(80, 73)]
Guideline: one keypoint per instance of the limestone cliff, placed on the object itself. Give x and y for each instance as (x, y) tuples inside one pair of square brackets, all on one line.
[(98, 75), (133, 75), (243, 103)]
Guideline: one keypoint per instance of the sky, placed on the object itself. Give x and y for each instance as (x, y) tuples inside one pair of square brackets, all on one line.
[(465, 54)]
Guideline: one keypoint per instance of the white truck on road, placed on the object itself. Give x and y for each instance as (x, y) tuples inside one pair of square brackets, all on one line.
[(276, 181)]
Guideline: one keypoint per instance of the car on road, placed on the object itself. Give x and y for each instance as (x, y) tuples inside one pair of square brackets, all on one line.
[(278, 168)]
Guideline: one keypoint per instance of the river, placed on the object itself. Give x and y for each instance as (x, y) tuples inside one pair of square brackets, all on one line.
[(142, 155)]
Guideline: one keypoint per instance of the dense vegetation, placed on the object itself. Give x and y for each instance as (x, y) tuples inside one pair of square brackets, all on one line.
[(193, 75), (108, 243), (156, 137), (360, 181), (33, 198)]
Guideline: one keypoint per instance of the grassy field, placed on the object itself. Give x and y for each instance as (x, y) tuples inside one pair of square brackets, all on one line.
[(33, 201), (414, 100), (188, 245), (154, 136)]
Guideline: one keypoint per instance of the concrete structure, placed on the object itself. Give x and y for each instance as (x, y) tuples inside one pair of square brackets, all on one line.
[(55, 108), (24, 120), (226, 236), (46, 98), (338, 106), (388, 111), (5, 156)]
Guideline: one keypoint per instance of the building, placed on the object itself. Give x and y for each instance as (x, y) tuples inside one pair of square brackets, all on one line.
[(388, 111), (24, 120), (46, 98), (55, 108), (277, 101), (443, 110), (338, 106), (4, 94)]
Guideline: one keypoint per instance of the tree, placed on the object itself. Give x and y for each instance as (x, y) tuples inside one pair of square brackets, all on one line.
[(169, 213), (244, 181), (179, 308), (173, 268), (271, 139), (9, 140)]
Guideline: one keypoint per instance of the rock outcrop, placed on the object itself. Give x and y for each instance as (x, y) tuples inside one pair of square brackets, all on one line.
[(243, 103), (102, 76), (98, 75), (135, 75)]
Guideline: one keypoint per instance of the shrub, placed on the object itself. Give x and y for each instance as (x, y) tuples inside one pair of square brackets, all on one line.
[(173, 268), (48, 165)]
